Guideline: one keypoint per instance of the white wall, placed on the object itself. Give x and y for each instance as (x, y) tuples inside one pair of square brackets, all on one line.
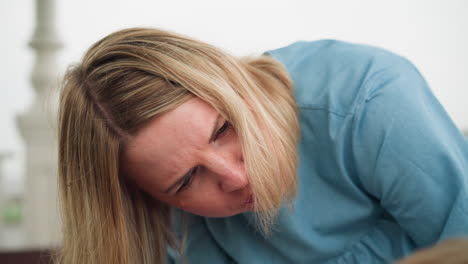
[(431, 33)]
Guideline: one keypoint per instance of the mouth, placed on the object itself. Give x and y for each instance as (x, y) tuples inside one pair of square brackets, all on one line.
[(249, 199)]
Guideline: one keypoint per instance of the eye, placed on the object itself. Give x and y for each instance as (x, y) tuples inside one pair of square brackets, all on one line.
[(188, 180), (222, 130)]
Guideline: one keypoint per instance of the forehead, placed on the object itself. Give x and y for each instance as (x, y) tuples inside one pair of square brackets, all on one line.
[(166, 144), (179, 123)]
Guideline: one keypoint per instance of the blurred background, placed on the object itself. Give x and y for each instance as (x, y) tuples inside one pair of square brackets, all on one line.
[(40, 38)]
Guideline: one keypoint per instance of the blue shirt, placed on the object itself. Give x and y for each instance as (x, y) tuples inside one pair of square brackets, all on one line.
[(383, 170)]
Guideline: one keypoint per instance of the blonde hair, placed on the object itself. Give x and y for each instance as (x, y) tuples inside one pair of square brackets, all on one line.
[(126, 80)]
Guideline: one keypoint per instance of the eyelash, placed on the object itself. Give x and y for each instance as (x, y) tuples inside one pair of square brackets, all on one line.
[(187, 182), (222, 130)]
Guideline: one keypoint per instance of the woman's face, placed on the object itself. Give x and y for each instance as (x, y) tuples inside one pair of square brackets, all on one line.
[(191, 158)]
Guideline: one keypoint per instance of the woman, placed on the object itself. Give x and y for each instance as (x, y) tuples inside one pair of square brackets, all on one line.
[(316, 152)]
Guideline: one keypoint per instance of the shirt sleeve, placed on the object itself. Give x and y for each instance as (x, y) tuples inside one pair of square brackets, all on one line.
[(411, 157)]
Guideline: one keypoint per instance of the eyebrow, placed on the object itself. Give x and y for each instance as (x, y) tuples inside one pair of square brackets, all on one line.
[(186, 175)]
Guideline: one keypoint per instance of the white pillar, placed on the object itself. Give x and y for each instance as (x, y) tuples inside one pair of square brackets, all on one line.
[(37, 128), (3, 156)]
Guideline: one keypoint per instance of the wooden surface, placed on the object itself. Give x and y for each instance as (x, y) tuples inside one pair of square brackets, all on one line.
[(25, 257)]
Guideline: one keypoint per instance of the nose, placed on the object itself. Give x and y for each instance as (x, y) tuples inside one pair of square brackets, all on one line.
[(233, 180), (228, 173)]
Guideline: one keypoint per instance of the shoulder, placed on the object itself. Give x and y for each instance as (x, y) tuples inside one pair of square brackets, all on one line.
[(329, 50), (336, 75)]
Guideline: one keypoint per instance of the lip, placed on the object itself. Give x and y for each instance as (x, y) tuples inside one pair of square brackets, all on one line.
[(249, 199)]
